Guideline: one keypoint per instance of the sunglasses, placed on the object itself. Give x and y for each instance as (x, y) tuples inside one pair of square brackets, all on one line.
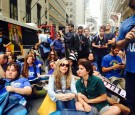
[(62, 64)]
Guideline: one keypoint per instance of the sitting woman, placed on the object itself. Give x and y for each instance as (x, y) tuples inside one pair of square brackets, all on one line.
[(18, 88), (61, 88), (52, 57), (92, 92), (29, 69)]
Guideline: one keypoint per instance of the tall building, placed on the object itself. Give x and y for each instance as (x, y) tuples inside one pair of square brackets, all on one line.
[(57, 12), (71, 11), (27, 11), (35, 11), (114, 6), (80, 12)]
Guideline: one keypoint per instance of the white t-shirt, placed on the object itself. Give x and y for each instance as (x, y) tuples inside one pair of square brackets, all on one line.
[(43, 37)]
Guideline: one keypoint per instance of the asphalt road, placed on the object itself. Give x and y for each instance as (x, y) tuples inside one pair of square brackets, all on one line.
[(34, 105)]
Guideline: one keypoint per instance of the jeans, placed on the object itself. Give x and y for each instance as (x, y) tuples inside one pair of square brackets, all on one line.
[(60, 105)]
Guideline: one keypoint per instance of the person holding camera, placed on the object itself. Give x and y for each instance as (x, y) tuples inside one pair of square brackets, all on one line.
[(100, 46)]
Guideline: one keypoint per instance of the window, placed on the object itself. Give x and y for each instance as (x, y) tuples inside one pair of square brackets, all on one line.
[(46, 13), (13, 9), (45, 1), (39, 14), (28, 11)]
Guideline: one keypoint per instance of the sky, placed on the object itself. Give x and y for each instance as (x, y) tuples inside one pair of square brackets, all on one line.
[(95, 8)]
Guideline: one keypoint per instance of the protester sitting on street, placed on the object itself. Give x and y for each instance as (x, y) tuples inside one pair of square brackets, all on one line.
[(29, 69), (52, 57), (61, 88), (52, 66), (3, 61), (91, 92), (18, 87), (111, 67)]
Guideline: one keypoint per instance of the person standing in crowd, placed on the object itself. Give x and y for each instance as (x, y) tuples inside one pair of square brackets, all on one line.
[(4, 42), (109, 36), (80, 44), (91, 92), (126, 39), (112, 66), (99, 44), (57, 45), (44, 49), (89, 37), (61, 87), (68, 39)]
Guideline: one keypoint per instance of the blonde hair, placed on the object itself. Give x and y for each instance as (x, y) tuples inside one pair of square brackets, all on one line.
[(57, 74)]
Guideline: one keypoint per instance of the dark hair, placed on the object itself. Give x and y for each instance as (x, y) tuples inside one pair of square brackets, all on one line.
[(132, 4), (102, 28), (87, 64), (114, 46), (14, 57), (39, 31), (70, 24), (80, 27), (1, 30), (16, 66)]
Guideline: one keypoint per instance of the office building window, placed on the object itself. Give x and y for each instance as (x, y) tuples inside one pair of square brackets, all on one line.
[(13, 9), (28, 11), (39, 14)]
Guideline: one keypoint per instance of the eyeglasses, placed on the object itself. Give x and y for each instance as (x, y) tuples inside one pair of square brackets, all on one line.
[(52, 54), (62, 64)]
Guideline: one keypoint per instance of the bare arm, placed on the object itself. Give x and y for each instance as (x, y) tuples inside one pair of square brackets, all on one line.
[(37, 44), (111, 41), (7, 44)]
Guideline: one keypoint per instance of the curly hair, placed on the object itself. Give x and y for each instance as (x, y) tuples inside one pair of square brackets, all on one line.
[(57, 74), (25, 70)]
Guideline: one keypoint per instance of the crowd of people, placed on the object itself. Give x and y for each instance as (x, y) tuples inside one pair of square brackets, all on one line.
[(75, 61)]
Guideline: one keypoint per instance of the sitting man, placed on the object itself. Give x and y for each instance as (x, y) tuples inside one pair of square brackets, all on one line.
[(112, 66), (92, 92)]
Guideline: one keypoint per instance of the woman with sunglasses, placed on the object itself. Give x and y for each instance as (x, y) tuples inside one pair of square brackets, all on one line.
[(52, 57), (61, 88)]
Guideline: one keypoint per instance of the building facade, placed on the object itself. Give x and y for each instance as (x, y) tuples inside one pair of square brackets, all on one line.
[(35, 11), (71, 11), (116, 6), (80, 12)]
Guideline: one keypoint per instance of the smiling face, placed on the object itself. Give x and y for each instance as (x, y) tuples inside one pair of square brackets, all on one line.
[(64, 67), (11, 72), (30, 60)]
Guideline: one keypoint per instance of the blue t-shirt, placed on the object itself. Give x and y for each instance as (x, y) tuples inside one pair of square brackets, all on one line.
[(126, 26), (33, 70), (19, 83), (109, 61)]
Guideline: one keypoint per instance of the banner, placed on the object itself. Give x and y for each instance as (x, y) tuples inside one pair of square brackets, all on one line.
[(115, 19), (15, 36)]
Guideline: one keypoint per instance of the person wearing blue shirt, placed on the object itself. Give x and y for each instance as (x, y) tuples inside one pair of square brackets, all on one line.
[(112, 65), (126, 40), (18, 88), (29, 70), (57, 45)]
